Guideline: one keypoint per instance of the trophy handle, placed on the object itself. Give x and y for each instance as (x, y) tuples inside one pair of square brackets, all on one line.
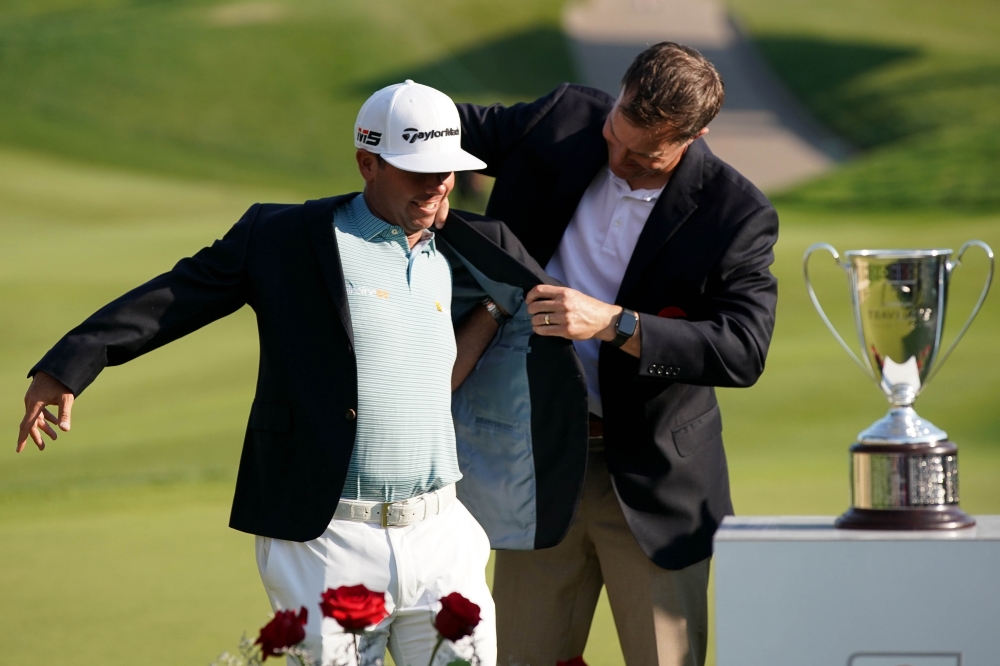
[(982, 297), (815, 301)]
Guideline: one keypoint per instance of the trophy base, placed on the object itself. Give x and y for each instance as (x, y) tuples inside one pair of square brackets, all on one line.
[(925, 518), (906, 486)]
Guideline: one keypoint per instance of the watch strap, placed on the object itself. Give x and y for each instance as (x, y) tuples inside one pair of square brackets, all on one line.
[(625, 328), (494, 310)]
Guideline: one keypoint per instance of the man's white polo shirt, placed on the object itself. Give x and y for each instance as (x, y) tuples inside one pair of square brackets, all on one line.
[(400, 302), (595, 250)]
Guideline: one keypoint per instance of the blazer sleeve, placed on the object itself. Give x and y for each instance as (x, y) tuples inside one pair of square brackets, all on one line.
[(728, 344), (491, 132), (197, 291)]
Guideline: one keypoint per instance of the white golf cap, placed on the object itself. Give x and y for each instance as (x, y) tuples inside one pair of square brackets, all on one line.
[(414, 128)]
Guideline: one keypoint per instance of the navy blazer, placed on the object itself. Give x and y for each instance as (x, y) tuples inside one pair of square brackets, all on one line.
[(700, 279), (520, 417)]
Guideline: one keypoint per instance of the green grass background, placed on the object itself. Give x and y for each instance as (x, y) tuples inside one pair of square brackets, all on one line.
[(134, 132)]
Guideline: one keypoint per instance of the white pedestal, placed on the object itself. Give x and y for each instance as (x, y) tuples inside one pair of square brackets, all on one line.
[(795, 591)]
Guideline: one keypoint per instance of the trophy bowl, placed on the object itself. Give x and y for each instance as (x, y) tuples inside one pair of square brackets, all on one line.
[(904, 469)]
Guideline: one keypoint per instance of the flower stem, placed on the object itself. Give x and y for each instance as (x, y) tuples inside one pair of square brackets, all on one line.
[(434, 653), (357, 653)]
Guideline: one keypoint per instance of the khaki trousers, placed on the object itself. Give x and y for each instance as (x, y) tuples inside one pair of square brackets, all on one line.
[(545, 599)]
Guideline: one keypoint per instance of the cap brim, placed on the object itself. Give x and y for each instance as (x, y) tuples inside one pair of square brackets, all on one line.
[(435, 162)]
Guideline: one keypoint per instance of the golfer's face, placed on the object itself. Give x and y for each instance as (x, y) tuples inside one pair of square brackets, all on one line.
[(636, 153), (411, 199)]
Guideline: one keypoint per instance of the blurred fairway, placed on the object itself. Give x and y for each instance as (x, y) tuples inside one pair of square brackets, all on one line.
[(134, 133), (258, 92), (914, 83)]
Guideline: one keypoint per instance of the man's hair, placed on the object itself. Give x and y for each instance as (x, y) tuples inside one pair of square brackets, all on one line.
[(671, 87)]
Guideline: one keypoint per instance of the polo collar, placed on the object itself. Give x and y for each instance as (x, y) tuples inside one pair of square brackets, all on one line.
[(626, 191), (370, 227)]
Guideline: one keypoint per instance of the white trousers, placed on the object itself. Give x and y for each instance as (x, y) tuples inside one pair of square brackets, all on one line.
[(415, 565)]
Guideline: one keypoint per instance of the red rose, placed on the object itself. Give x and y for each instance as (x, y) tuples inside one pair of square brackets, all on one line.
[(353, 607), (283, 631), (457, 618), (575, 661)]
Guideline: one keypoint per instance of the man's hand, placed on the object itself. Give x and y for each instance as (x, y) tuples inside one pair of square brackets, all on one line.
[(571, 314), (44, 390), (442, 213)]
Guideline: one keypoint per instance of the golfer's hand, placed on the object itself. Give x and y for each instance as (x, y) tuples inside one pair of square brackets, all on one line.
[(44, 390), (442, 213), (571, 314)]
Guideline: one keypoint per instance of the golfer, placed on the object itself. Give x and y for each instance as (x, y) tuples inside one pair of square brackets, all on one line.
[(367, 320)]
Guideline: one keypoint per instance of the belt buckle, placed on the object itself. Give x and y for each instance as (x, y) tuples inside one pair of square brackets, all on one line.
[(385, 514)]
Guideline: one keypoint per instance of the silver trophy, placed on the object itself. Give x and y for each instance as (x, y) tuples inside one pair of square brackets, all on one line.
[(904, 470)]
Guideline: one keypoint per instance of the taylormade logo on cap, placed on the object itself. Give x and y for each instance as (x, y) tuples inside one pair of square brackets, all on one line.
[(414, 128), (412, 134)]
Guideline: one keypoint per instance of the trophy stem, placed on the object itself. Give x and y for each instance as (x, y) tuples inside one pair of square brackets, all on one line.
[(902, 425)]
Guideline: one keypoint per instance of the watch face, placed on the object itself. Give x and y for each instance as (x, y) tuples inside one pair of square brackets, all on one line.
[(626, 323)]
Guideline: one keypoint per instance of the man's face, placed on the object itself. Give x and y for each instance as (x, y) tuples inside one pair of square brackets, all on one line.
[(643, 157), (404, 198)]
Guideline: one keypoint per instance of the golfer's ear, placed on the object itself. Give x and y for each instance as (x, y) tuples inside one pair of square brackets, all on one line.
[(367, 164)]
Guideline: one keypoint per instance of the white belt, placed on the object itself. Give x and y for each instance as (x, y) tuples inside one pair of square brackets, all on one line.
[(397, 514)]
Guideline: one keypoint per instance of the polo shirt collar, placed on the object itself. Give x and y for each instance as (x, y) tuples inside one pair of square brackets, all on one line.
[(624, 190), (371, 227)]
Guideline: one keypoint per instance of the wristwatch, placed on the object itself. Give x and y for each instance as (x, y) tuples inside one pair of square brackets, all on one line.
[(625, 328), (499, 316)]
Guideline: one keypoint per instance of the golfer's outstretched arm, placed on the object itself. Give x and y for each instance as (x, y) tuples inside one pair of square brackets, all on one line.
[(197, 291)]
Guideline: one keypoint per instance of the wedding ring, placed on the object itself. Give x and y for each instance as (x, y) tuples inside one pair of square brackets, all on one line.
[(547, 322)]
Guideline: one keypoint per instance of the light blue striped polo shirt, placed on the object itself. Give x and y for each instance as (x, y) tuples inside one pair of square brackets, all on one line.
[(404, 342)]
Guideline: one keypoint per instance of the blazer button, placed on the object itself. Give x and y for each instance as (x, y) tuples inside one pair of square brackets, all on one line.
[(652, 369), (351, 415)]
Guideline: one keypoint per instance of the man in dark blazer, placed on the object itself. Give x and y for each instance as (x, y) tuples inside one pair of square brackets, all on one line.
[(665, 252)]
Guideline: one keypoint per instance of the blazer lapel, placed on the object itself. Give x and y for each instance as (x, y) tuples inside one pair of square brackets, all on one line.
[(672, 209), (579, 161), (491, 257), (318, 216)]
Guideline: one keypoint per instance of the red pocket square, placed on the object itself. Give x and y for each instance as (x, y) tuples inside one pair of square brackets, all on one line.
[(672, 312)]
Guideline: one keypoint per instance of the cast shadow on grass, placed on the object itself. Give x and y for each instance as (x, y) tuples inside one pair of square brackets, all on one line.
[(824, 74), (523, 65), (929, 132), (811, 65)]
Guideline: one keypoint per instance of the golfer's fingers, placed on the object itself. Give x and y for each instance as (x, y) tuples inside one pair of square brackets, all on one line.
[(22, 437), (49, 416), (65, 408), (36, 437), (44, 426), (27, 423)]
